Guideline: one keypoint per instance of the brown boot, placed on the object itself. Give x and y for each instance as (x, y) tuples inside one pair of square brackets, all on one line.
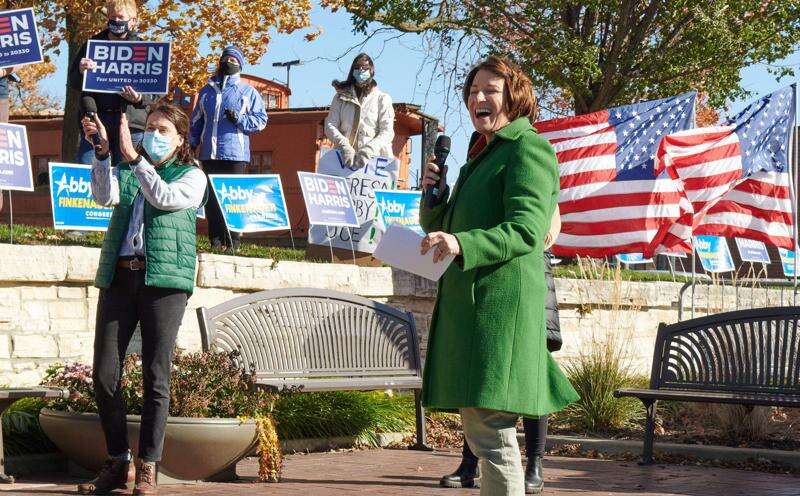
[(145, 479), (115, 474)]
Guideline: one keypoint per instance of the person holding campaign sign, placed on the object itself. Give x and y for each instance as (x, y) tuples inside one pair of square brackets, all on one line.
[(360, 122), (487, 353), (146, 274), (121, 25), (228, 110)]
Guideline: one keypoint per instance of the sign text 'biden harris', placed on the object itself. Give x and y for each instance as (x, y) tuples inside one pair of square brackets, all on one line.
[(19, 39), (144, 65)]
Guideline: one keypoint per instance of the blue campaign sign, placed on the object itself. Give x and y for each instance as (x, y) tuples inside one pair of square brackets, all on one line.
[(633, 258), (15, 159), (141, 64), (751, 250), (19, 38), (399, 207), (251, 203), (327, 199), (71, 199), (787, 261), (714, 253)]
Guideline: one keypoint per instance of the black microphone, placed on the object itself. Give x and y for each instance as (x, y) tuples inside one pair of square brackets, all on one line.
[(434, 193), (89, 107), (14, 78)]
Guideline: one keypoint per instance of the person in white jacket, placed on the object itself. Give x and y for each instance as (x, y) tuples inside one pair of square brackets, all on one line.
[(360, 122)]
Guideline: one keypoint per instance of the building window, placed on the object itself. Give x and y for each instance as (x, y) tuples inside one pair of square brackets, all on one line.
[(41, 164), (260, 163), (270, 100)]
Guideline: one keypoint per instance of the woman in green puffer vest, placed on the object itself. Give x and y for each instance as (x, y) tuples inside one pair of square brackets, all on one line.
[(146, 275)]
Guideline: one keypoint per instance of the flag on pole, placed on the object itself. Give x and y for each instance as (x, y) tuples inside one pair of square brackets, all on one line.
[(611, 200), (735, 177)]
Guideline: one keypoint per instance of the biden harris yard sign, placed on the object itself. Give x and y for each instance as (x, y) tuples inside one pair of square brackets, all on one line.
[(19, 38), (251, 203), (144, 65), (15, 161), (327, 200), (72, 201)]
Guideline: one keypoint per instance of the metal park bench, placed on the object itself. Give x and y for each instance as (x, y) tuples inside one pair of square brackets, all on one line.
[(319, 340), (746, 357), (7, 398)]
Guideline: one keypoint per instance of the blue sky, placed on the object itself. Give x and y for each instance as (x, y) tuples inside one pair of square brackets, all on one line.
[(402, 70)]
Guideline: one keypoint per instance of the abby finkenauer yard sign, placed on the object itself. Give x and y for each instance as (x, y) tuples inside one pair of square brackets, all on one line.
[(144, 65)]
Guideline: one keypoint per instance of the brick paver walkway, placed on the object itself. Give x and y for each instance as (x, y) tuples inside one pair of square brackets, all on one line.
[(407, 473)]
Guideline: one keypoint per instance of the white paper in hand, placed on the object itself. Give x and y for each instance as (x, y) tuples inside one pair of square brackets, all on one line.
[(400, 248)]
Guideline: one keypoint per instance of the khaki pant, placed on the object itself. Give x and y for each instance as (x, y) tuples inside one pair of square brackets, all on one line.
[(4, 109), (492, 436)]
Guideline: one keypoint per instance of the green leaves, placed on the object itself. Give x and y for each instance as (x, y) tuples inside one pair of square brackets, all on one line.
[(611, 52)]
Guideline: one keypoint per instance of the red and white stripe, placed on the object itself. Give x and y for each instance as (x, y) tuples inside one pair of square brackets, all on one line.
[(707, 164), (599, 215)]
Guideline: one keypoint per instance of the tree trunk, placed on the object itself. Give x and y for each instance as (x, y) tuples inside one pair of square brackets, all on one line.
[(70, 134)]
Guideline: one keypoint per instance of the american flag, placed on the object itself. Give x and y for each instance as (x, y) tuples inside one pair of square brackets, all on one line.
[(735, 176), (611, 200)]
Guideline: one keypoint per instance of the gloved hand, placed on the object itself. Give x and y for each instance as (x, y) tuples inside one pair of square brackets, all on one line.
[(348, 155), (361, 160), (232, 115)]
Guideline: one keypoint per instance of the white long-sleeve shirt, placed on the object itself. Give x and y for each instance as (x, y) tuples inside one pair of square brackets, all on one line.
[(185, 192)]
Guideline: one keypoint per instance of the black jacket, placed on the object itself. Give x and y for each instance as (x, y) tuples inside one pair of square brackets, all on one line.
[(136, 112)]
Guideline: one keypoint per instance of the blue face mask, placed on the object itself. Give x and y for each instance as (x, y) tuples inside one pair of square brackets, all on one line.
[(157, 146), (119, 28), (362, 77)]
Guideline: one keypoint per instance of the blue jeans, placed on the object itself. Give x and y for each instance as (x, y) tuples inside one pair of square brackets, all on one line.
[(111, 121)]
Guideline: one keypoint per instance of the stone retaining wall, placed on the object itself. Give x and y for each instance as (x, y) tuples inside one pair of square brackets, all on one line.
[(48, 303)]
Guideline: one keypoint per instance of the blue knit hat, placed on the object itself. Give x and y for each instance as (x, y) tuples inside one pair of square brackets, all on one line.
[(235, 53)]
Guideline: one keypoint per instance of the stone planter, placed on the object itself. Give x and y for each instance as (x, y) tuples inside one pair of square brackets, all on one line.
[(195, 449)]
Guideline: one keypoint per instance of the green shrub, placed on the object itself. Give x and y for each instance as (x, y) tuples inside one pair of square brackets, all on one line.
[(343, 413), (22, 434), (598, 371)]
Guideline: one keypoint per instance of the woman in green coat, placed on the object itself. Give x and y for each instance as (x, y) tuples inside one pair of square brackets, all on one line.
[(487, 354)]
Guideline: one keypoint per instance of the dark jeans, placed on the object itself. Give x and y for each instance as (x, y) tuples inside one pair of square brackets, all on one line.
[(111, 121), (159, 312), (217, 230), (535, 438)]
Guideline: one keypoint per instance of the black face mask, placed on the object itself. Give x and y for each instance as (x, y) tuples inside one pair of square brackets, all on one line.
[(229, 68), (119, 28)]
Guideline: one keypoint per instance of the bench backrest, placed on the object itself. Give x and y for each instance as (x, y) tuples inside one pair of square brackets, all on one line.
[(305, 333), (748, 351)]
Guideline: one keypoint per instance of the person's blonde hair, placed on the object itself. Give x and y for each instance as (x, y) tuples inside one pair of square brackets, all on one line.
[(128, 6), (520, 97)]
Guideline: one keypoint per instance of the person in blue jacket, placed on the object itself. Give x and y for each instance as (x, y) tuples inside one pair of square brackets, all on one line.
[(228, 110)]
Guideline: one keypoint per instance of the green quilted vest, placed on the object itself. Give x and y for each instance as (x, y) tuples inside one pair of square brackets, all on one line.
[(170, 238)]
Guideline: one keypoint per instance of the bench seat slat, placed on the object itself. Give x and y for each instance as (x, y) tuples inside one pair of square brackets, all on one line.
[(339, 384), (711, 397)]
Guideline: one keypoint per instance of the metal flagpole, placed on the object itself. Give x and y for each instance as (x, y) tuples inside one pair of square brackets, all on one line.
[(793, 159), (694, 274)]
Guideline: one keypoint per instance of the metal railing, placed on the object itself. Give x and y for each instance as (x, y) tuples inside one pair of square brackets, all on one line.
[(745, 293)]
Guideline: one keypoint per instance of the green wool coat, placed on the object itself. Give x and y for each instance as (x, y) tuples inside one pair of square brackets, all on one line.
[(487, 345)]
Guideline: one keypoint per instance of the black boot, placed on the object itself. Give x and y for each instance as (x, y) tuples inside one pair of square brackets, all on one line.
[(464, 476), (534, 481)]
